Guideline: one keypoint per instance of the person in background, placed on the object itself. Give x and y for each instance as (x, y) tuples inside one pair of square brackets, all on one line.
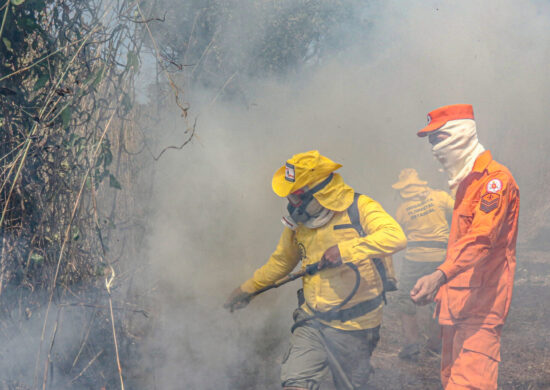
[(424, 215), (475, 282), (343, 235)]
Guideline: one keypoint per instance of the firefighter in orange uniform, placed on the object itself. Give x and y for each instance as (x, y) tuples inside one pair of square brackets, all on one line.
[(473, 286)]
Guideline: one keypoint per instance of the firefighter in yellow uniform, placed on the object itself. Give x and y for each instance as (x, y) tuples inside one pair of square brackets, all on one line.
[(350, 236), (425, 216)]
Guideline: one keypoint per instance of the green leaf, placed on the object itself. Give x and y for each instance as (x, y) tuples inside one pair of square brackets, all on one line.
[(80, 146), (7, 42), (66, 116), (126, 103), (72, 140), (132, 60), (100, 269), (17, 2), (89, 78), (107, 158), (100, 176), (98, 77), (98, 162), (39, 5), (28, 23), (42, 80), (65, 165), (37, 258), (113, 182), (76, 233)]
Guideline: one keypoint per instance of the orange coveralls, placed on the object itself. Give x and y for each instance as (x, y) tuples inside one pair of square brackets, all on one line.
[(480, 264)]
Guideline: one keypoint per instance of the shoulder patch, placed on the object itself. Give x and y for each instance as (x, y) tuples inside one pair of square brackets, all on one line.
[(494, 186), (489, 202)]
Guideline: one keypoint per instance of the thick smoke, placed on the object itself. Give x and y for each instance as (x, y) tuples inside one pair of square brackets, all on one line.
[(215, 218)]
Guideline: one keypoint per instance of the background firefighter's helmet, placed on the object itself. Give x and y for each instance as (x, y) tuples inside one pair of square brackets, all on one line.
[(408, 177)]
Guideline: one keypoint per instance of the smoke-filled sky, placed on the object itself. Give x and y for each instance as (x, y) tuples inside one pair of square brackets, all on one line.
[(215, 218)]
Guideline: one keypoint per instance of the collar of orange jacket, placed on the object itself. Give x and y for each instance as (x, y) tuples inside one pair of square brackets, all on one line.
[(482, 162)]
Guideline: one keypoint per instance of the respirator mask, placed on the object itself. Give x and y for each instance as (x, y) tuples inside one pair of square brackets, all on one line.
[(304, 209)]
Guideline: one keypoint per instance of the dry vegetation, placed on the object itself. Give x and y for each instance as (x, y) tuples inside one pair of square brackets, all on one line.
[(75, 156), (69, 155)]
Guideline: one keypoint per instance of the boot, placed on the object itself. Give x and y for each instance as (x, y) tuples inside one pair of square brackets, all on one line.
[(409, 352), (433, 345), (411, 333)]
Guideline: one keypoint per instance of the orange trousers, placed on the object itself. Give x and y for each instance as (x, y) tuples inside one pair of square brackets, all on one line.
[(469, 357)]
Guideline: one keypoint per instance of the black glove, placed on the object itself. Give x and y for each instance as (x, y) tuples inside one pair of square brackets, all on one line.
[(237, 300)]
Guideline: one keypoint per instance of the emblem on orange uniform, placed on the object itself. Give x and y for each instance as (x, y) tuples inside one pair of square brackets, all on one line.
[(494, 185), (489, 202)]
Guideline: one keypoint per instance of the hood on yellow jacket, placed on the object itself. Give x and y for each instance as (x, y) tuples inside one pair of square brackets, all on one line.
[(336, 195)]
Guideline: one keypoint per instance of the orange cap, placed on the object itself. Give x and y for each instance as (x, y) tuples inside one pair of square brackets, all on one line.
[(438, 117)]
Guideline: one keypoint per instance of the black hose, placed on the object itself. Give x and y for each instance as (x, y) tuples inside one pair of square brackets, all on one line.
[(337, 307)]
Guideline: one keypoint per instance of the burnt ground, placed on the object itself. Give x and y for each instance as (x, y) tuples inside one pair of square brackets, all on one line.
[(525, 349)]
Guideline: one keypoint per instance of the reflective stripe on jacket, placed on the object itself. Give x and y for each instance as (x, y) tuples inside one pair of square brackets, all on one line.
[(481, 255), (424, 217), (329, 287)]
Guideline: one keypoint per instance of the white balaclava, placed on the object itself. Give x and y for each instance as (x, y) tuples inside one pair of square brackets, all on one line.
[(319, 216), (459, 151)]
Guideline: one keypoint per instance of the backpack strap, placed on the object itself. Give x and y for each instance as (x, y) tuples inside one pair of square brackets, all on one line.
[(353, 213)]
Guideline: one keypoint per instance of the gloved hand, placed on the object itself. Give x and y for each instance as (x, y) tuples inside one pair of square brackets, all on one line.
[(237, 300), (331, 258)]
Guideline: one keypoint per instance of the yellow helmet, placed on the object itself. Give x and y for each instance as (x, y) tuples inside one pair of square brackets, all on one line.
[(408, 177), (301, 170)]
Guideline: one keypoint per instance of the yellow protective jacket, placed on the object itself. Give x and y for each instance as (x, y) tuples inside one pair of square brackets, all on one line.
[(424, 216), (329, 287)]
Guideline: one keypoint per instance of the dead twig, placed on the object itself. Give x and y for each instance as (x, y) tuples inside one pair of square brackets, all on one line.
[(180, 146), (222, 89), (86, 367), (49, 358), (204, 53), (108, 284), (2, 264), (183, 106), (95, 306), (83, 344), (148, 20), (172, 62)]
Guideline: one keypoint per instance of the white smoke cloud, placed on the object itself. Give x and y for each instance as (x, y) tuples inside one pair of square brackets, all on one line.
[(216, 218)]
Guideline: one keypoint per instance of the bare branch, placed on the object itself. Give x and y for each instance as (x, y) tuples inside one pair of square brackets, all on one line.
[(180, 146)]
